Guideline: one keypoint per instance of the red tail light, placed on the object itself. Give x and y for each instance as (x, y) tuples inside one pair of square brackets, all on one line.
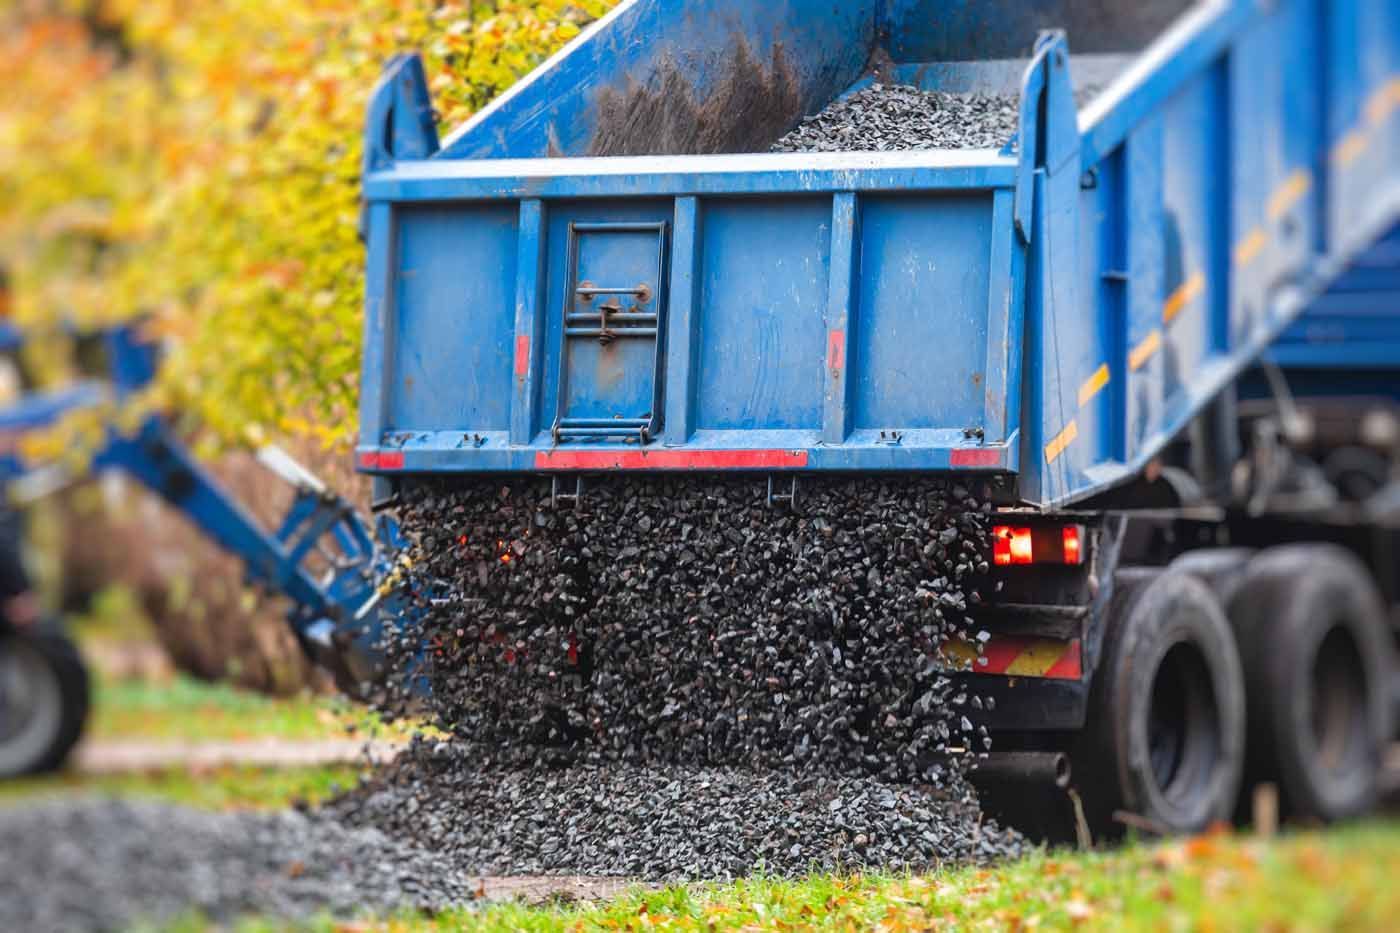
[(1012, 546), (1073, 551)]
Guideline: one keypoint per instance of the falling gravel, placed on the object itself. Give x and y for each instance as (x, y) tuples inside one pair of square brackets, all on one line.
[(99, 864), (690, 621), (687, 677), (892, 117)]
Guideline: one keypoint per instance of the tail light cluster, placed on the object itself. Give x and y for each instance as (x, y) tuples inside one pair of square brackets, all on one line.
[(1015, 545)]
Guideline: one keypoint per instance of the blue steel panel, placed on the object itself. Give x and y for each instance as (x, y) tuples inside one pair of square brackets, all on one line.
[(920, 344), (1194, 179), (597, 383), (1006, 304), (682, 325), (377, 360), (455, 317), (529, 322), (1103, 256), (764, 278), (841, 313), (1257, 169), (1147, 266)]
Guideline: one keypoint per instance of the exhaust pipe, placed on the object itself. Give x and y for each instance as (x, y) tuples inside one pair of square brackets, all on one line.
[(1050, 769)]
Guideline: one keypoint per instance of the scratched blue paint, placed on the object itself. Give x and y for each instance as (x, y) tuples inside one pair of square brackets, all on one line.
[(976, 294), (763, 288), (455, 317), (920, 337)]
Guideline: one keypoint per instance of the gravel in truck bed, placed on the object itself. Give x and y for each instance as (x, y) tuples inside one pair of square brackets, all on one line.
[(892, 117)]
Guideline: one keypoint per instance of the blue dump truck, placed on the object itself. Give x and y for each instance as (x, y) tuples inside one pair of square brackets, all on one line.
[(1161, 325)]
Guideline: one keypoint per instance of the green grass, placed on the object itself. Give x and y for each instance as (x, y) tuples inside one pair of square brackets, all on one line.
[(223, 788), (188, 710), (1343, 879), (185, 709)]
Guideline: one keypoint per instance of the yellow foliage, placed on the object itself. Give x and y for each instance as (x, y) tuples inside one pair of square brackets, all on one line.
[(198, 162)]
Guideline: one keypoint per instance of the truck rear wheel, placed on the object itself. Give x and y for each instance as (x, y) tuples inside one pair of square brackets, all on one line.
[(1165, 738), (1317, 655), (44, 698)]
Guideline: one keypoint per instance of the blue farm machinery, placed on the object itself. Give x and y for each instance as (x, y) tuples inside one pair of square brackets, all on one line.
[(1151, 331), (325, 558)]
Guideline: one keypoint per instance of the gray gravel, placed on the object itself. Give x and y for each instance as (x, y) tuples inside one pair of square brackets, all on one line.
[(890, 117), (99, 864), (667, 823), (676, 679), (685, 621)]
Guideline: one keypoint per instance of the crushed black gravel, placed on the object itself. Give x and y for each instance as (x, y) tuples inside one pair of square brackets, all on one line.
[(667, 823), (892, 117), (102, 864), (679, 679), (688, 621)]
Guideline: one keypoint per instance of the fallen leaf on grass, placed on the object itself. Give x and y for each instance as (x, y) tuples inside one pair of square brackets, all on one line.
[(1170, 857), (1078, 908)]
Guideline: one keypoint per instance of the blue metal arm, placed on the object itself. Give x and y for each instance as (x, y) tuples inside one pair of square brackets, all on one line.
[(323, 556)]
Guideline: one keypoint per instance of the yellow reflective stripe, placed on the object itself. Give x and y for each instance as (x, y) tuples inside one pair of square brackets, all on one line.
[(1143, 352), (1248, 249), (1061, 441), (1384, 100), (1093, 385), (1036, 658), (961, 650), (1186, 293), (1293, 190), (1350, 147)]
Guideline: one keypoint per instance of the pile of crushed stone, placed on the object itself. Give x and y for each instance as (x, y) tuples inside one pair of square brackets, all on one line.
[(686, 620), (893, 117), (666, 823), (675, 678), (99, 864)]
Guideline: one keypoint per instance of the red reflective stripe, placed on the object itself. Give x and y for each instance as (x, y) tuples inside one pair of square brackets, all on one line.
[(522, 356), (381, 460), (669, 459), (1071, 663), (836, 350), (976, 457)]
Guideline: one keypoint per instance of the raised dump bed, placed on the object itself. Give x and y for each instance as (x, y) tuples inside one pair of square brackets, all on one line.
[(605, 269)]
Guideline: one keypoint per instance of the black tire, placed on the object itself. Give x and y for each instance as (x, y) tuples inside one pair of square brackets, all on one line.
[(1318, 660), (1165, 734), (1358, 473), (1221, 569), (44, 702)]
